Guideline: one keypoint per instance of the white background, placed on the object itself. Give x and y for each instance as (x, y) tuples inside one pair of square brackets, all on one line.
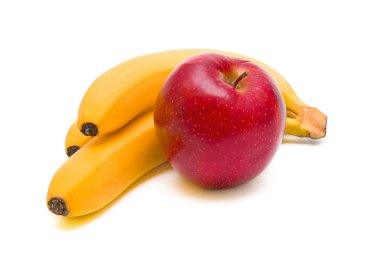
[(316, 196)]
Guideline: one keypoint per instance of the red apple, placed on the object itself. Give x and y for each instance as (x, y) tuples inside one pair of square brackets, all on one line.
[(219, 120)]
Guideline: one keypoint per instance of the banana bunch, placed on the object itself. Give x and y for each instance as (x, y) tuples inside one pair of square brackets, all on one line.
[(114, 138)]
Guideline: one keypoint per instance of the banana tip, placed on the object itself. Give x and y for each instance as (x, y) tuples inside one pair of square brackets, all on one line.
[(71, 150), (58, 206), (89, 129)]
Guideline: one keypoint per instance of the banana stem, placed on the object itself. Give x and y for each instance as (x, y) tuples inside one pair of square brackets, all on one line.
[(306, 122)]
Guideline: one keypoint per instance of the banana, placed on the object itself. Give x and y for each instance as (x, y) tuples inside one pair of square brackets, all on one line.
[(104, 168), (124, 91), (75, 140)]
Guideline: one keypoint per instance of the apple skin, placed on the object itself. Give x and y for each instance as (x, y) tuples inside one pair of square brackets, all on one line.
[(216, 135)]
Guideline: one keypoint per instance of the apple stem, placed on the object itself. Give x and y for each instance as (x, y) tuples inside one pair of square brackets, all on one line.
[(241, 77)]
